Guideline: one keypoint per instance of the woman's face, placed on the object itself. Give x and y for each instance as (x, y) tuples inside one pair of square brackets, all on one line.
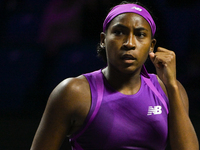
[(128, 42)]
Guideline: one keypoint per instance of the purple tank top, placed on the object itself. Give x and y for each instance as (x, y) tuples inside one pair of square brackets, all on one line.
[(118, 121)]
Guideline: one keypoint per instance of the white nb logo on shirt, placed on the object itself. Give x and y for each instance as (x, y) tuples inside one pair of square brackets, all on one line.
[(154, 110)]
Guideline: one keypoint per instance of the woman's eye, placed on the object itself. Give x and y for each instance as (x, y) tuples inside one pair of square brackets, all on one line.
[(118, 32), (141, 34)]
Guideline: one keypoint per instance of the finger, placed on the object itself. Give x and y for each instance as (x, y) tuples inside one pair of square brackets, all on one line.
[(165, 56), (161, 49), (156, 60), (152, 56)]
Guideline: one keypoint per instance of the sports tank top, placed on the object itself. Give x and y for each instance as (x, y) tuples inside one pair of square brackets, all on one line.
[(118, 121)]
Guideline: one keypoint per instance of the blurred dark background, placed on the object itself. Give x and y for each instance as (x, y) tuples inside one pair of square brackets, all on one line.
[(43, 42)]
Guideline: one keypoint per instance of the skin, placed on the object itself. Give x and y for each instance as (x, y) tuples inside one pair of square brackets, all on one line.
[(128, 43), (181, 131)]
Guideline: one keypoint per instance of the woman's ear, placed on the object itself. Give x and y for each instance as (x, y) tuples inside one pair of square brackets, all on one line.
[(102, 39), (153, 43)]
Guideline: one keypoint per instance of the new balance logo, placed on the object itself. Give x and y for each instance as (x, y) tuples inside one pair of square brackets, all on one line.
[(154, 110), (136, 8)]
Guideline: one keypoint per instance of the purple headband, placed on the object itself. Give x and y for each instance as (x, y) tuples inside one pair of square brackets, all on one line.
[(126, 8)]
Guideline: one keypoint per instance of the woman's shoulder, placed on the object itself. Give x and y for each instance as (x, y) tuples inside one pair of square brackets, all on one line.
[(158, 82), (72, 99), (71, 89), (182, 90), (73, 84), (72, 95)]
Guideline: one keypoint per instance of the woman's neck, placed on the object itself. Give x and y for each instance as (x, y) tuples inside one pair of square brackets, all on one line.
[(125, 83)]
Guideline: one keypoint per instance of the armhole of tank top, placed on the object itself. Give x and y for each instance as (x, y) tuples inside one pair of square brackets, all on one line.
[(152, 87), (99, 85), (155, 82)]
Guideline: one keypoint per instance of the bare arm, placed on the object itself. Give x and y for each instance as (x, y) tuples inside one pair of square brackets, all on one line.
[(65, 112), (181, 131)]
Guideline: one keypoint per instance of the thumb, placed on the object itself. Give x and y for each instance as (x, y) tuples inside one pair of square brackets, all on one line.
[(152, 56)]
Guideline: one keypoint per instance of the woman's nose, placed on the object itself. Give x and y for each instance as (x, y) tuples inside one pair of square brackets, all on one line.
[(129, 42)]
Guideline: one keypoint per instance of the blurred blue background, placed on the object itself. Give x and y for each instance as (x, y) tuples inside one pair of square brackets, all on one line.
[(43, 42)]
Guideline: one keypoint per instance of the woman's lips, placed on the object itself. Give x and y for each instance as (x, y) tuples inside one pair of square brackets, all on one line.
[(128, 58)]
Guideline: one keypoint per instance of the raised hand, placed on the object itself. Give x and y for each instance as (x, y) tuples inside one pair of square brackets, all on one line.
[(165, 63)]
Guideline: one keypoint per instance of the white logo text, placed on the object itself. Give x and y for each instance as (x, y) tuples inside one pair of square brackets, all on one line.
[(136, 8), (154, 110)]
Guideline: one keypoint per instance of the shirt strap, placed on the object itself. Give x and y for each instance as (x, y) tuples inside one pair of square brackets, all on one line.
[(152, 87)]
